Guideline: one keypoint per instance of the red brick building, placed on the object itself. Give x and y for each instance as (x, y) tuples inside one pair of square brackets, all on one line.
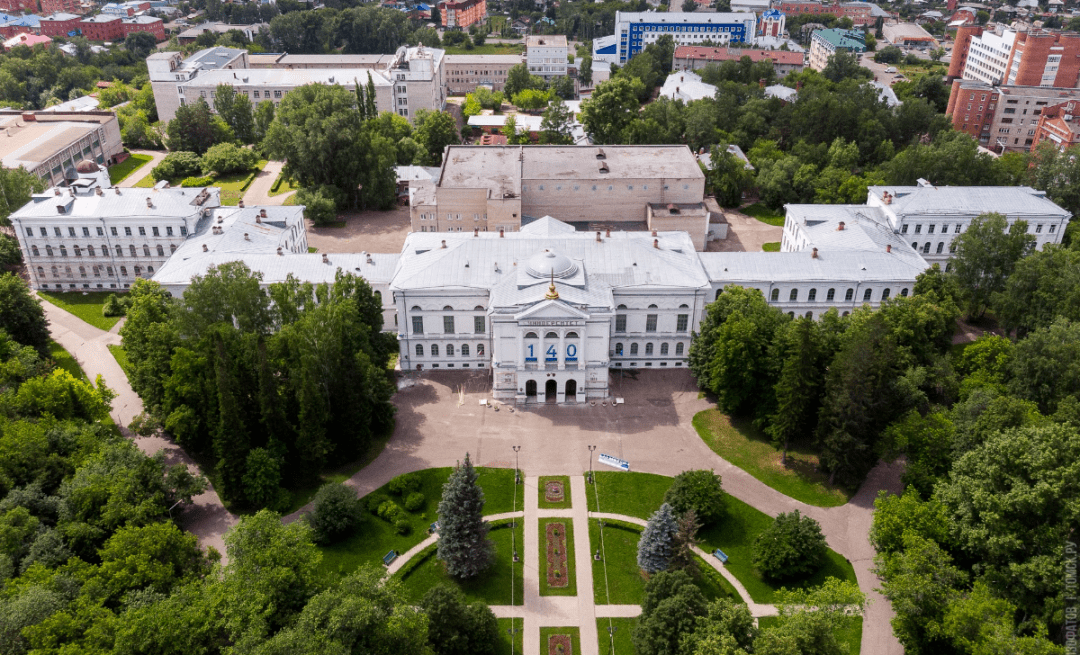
[(860, 13), (61, 24), (61, 7), (149, 24), (462, 13), (972, 106), (689, 57), (19, 6), (103, 27), (1042, 58), (964, 33), (1060, 125)]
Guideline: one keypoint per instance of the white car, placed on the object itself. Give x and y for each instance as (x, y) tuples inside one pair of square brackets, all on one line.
[(890, 69)]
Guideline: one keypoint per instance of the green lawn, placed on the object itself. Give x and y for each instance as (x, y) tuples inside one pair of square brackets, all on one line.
[(503, 647), (87, 307), (571, 586), (492, 586), (121, 357), (622, 644), (65, 360), (124, 169), (738, 442), (771, 247), (565, 503), (284, 186), (377, 537), (232, 186), (487, 49), (764, 214), (735, 533), (312, 250), (632, 494), (575, 639), (849, 635)]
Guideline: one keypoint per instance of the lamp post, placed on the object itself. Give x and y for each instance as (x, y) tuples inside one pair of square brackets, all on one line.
[(517, 469), (591, 449)]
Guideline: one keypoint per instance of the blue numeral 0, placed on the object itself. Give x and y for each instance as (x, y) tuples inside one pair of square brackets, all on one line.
[(571, 351)]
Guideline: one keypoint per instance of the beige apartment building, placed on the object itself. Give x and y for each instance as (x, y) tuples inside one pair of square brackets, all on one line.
[(492, 188), (463, 73), (52, 144)]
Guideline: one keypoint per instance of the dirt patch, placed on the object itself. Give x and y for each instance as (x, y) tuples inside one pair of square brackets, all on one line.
[(557, 574), (745, 234), (370, 231)]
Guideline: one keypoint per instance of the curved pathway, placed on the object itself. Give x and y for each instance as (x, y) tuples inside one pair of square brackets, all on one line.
[(144, 170)]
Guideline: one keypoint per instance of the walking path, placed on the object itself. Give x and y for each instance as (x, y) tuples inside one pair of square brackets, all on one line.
[(144, 170), (258, 193)]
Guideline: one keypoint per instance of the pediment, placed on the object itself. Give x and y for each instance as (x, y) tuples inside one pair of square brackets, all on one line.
[(551, 310)]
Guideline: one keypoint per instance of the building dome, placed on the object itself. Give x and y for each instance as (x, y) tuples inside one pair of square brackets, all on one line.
[(549, 263), (86, 166)]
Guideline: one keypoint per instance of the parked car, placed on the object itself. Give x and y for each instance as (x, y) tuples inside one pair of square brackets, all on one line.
[(890, 69)]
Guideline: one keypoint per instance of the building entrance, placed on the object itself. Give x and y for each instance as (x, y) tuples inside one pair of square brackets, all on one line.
[(551, 391), (530, 391), (571, 390)]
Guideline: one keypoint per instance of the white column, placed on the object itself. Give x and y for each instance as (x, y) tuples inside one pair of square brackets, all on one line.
[(561, 355), (541, 357)]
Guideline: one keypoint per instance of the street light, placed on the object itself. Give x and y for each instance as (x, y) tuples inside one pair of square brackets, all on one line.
[(517, 469), (591, 449)]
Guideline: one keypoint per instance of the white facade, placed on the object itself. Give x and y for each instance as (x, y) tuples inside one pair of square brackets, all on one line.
[(546, 56), (988, 57)]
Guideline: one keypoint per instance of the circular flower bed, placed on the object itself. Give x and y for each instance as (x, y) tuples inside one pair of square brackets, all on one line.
[(554, 492)]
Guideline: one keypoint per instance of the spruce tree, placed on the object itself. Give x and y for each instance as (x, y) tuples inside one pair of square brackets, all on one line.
[(463, 544), (655, 546)]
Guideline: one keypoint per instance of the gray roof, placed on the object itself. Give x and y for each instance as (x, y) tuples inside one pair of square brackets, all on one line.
[(928, 200), (829, 266), (866, 230), (277, 268), (289, 77), (213, 58), (120, 203), (484, 59)]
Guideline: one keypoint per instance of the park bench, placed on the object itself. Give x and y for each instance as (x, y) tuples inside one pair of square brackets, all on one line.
[(433, 528), (389, 558), (720, 555)]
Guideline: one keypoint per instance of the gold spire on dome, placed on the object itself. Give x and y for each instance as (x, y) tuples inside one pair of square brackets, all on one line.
[(552, 294)]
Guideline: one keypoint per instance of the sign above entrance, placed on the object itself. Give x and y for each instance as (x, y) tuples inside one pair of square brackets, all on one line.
[(550, 323), (620, 464)]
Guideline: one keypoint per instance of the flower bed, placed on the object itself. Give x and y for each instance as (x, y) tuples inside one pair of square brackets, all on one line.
[(554, 491), (557, 574), (559, 645)]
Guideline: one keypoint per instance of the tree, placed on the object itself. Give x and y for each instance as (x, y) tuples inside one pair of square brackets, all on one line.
[(456, 627), (335, 513), (670, 610), (684, 542), (611, 109), (896, 516), (513, 136), (798, 389), (1043, 286), (927, 442), (225, 158), (888, 55), (844, 65), (689, 5), (434, 131), (792, 547), (463, 544), (699, 491), (17, 185), (727, 629), (1045, 367), (728, 177), (555, 128), (140, 44), (809, 619), (986, 254), (10, 253), (585, 72), (264, 118), (655, 545), (319, 205), (21, 315), (531, 99), (196, 128), (519, 79), (177, 165), (235, 109)]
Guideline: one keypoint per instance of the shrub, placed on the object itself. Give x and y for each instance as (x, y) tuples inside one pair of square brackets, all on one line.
[(318, 205), (700, 491), (402, 526), (206, 180), (116, 306), (225, 158), (791, 547), (415, 501), (177, 165), (335, 513), (375, 501), (390, 512), (10, 253), (404, 484)]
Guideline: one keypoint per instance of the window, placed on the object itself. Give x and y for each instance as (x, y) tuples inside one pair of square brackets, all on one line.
[(775, 295), (648, 349), (794, 295), (44, 232), (633, 349), (97, 271), (113, 231), (479, 325), (1038, 229), (142, 231), (127, 231), (434, 350), (663, 349), (903, 229), (123, 271), (650, 323), (682, 322), (29, 231), (155, 231), (78, 251), (418, 324), (160, 251), (830, 295), (146, 250), (620, 322), (448, 324), (134, 253), (479, 350), (918, 228), (903, 292), (119, 251), (956, 230), (940, 247), (866, 296), (464, 350), (168, 231), (926, 248), (63, 251), (86, 231), (108, 270), (885, 294), (930, 229), (945, 228), (679, 348), (183, 230), (55, 272), (150, 270), (138, 271), (849, 295), (618, 349), (90, 251), (34, 250), (57, 232), (40, 271), (172, 248), (915, 246), (449, 350), (71, 231), (82, 271), (812, 296)]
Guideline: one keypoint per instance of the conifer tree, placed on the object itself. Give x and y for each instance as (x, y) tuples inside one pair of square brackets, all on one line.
[(372, 111), (463, 543), (655, 545)]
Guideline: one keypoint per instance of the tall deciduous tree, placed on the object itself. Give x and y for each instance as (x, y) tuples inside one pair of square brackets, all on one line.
[(434, 131), (21, 315), (555, 126), (463, 544), (655, 545), (698, 490), (792, 547), (670, 610), (16, 187), (196, 128), (611, 109), (798, 389), (235, 109), (986, 254), (1043, 286), (456, 627)]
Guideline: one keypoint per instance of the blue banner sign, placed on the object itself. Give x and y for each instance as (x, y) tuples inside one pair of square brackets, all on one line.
[(620, 464)]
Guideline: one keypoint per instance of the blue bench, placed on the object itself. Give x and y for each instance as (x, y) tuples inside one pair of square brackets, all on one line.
[(720, 555), (389, 558), (433, 528)]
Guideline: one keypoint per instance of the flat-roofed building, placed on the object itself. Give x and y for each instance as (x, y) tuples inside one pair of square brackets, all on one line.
[(1002, 118), (51, 144), (190, 34), (636, 30), (909, 34), (825, 43), (461, 14), (688, 57), (463, 73), (546, 55), (64, 24)]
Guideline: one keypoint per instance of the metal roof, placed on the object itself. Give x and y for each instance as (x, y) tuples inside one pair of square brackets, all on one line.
[(1018, 201)]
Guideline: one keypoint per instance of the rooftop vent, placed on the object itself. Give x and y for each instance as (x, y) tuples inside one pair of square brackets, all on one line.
[(673, 208), (262, 213), (149, 202), (59, 209), (117, 190), (888, 247), (598, 237), (813, 254), (476, 231), (240, 204), (204, 248), (279, 250), (246, 237), (840, 227), (56, 192), (325, 258), (500, 234), (600, 153), (603, 167), (444, 243), (655, 242), (99, 191), (654, 232)]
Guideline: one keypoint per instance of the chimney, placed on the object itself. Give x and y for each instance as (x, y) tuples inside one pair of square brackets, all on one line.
[(840, 227), (444, 243), (29, 117), (99, 191), (71, 191), (813, 255), (500, 234), (262, 213), (241, 203), (888, 247), (656, 243), (59, 209), (598, 237), (887, 197), (57, 191), (279, 250), (149, 202), (476, 231), (325, 258), (204, 248), (117, 190), (246, 237), (654, 232)]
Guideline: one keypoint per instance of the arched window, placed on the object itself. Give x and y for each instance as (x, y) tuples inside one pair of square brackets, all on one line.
[(571, 335), (449, 350), (809, 314), (618, 349), (172, 250), (684, 306), (415, 308), (160, 250), (146, 250), (775, 295), (150, 270), (134, 253), (123, 271), (97, 271), (663, 349), (915, 246), (530, 335), (82, 271), (653, 307), (621, 307), (633, 349), (678, 348), (48, 251), (138, 271), (926, 248), (55, 272), (846, 314), (104, 250), (849, 295), (648, 349), (952, 247), (718, 292), (40, 271), (78, 251), (67, 271), (903, 292), (791, 314), (885, 294), (90, 251), (63, 250), (120, 251), (794, 295), (434, 350), (464, 350), (866, 296), (34, 250), (448, 308), (478, 308), (831, 295), (812, 296), (551, 335), (479, 350), (419, 350)]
